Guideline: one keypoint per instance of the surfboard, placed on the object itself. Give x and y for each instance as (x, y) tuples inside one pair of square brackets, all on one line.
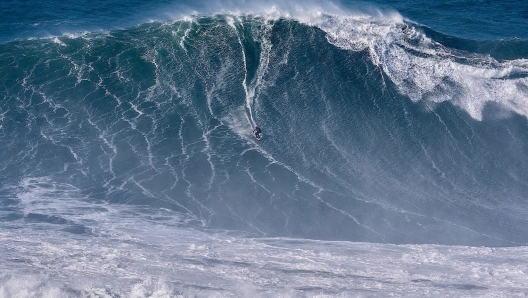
[(259, 137)]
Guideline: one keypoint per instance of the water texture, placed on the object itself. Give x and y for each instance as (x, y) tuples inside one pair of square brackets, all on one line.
[(128, 156)]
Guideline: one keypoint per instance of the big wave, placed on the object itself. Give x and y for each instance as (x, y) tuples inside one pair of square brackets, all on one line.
[(373, 130)]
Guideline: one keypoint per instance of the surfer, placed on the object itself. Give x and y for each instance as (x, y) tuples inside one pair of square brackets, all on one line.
[(257, 131)]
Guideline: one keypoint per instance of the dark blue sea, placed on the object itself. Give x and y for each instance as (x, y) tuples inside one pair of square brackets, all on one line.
[(393, 158)]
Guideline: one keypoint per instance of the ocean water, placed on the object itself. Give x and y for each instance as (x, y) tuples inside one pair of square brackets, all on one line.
[(394, 157)]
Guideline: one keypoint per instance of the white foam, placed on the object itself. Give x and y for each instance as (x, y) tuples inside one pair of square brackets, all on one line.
[(58, 41), (176, 262), (425, 70), (146, 252)]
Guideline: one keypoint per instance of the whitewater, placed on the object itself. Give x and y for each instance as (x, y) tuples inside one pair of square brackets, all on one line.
[(393, 161)]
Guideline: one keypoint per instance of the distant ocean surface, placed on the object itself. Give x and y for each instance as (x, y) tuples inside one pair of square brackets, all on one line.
[(394, 157)]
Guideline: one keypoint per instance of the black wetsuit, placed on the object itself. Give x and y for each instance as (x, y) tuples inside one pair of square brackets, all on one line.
[(257, 132)]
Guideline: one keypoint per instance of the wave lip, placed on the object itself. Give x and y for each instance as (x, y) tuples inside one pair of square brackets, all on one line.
[(424, 69)]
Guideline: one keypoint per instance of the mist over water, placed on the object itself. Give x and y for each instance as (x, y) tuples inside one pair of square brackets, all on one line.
[(471, 20), (128, 156)]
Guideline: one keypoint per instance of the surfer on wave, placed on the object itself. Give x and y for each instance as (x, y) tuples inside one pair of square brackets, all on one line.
[(257, 131)]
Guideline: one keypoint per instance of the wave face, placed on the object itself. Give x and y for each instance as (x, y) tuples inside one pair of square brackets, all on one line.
[(373, 129)]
